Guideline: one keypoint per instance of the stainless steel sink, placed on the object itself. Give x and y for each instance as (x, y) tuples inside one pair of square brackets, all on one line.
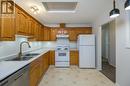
[(24, 57)]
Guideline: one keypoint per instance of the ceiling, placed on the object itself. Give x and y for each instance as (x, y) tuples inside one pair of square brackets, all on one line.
[(86, 12)]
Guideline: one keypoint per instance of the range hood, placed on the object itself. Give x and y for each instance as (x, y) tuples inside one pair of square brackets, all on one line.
[(62, 36)]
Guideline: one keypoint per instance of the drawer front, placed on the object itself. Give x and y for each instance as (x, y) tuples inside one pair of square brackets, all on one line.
[(62, 58), (62, 64)]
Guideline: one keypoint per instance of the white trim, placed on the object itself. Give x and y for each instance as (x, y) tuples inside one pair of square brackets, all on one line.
[(99, 69), (117, 84), (128, 31), (112, 64)]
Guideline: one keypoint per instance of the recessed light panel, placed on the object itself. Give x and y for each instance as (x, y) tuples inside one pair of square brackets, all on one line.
[(60, 6)]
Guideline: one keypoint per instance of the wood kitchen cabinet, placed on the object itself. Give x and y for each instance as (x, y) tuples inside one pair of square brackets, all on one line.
[(21, 22), (38, 68), (74, 57), (47, 34), (34, 72), (52, 57), (74, 32), (7, 29), (72, 35), (31, 26), (53, 34), (36, 32), (46, 61), (41, 33)]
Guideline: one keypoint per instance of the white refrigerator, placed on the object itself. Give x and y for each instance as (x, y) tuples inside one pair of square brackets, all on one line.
[(86, 45)]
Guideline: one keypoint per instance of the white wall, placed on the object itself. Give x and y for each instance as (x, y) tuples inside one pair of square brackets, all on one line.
[(122, 53), (52, 44)]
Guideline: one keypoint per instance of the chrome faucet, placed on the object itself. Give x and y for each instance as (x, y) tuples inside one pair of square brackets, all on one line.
[(20, 53)]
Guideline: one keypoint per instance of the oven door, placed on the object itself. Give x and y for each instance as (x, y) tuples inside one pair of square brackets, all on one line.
[(62, 56)]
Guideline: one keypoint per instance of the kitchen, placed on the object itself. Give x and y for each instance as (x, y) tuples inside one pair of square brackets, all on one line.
[(50, 42)]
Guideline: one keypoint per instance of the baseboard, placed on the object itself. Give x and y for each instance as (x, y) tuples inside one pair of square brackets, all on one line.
[(117, 84), (99, 69)]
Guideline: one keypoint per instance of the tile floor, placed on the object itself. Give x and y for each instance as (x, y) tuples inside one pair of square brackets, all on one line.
[(74, 76)]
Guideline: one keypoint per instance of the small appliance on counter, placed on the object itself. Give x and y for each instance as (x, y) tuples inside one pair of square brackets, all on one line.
[(86, 46)]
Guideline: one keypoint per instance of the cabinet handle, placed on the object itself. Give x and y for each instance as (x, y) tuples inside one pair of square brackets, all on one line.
[(18, 77)]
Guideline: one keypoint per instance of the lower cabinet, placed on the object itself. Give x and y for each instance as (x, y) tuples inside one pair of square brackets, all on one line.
[(38, 68), (74, 57), (34, 73), (52, 57)]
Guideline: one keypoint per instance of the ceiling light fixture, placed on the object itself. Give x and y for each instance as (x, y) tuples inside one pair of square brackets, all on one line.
[(115, 12), (127, 5), (34, 9)]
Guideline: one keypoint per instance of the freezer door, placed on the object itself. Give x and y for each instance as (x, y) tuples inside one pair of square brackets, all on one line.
[(87, 56), (86, 39)]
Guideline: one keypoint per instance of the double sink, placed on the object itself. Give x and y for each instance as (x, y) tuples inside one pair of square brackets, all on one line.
[(24, 57)]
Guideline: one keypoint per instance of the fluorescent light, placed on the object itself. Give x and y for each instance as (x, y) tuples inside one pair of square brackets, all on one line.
[(115, 12), (34, 9), (127, 5), (114, 15), (127, 8)]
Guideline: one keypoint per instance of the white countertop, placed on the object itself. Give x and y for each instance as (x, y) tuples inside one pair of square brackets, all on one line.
[(9, 67)]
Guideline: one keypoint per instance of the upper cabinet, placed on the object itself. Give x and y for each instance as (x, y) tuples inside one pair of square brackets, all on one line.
[(72, 32), (21, 22), (53, 34), (24, 24), (47, 34), (7, 29)]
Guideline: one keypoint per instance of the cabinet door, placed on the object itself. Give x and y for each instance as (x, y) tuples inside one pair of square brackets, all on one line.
[(36, 31), (72, 34), (40, 33), (74, 58), (87, 30), (34, 73), (7, 29), (31, 26), (21, 22), (46, 61), (52, 58), (46, 34), (34, 77), (53, 34)]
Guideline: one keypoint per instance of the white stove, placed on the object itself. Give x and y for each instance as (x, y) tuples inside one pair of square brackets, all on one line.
[(62, 53)]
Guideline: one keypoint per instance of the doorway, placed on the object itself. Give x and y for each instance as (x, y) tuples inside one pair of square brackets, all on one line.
[(109, 50)]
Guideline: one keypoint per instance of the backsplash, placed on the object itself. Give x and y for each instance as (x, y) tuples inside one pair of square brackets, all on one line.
[(12, 48), (9, 48), (52, 44)]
